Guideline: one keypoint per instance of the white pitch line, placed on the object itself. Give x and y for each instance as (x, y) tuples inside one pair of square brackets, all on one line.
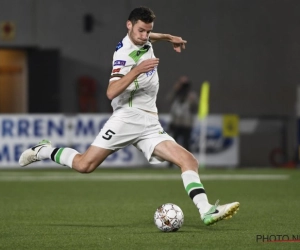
[(133, 177), (247, 177)]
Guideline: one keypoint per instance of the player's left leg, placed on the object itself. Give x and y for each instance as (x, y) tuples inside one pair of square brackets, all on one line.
[(210, 214), (173, 152)]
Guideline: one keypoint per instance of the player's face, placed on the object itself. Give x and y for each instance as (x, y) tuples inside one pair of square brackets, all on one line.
[(139, 32)]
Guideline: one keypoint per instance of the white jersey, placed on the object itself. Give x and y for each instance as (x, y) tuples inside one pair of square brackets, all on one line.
[(142, 92)]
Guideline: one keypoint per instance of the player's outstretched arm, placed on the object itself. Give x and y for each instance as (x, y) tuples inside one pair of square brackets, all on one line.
[(177, 42)]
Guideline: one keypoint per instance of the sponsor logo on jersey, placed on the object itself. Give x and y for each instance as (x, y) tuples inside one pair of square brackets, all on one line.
[(151, 72), (116, 70), (119, 46), (119, 63)]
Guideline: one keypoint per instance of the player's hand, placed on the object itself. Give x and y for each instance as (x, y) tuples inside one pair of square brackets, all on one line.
[(178, 43), (147, 65)]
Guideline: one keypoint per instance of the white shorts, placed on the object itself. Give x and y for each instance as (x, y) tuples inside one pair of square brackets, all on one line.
[(132, 126)]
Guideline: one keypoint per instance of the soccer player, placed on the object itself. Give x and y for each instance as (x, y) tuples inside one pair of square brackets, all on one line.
[(133, 88)]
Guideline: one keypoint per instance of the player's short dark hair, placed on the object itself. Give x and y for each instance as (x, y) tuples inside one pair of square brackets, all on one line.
[(144, 14)]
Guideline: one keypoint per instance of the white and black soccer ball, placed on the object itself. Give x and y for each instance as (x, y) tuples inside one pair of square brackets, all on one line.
[(168, 217)]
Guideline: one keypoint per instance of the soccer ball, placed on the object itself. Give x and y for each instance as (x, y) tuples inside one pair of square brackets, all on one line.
[(168, 217)]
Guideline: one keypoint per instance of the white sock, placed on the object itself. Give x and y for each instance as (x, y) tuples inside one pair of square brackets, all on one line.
[(45, 153), (62, 156), (195, 190)]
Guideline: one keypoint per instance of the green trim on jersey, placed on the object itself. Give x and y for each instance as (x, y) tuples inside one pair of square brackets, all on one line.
[(133, 92), (136, 54)]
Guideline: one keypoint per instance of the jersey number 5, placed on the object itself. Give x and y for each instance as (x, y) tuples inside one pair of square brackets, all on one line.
[(109, 134)]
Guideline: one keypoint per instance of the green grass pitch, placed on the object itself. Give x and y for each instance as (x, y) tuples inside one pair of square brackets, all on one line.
[(114, 208)]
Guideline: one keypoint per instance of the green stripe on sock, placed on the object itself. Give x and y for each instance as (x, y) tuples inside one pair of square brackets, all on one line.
[(58, 154), (192, 186)]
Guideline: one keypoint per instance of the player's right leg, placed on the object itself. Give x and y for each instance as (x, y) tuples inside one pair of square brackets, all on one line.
[(119, 131), (91, 159), (30, 155), (83, 163)]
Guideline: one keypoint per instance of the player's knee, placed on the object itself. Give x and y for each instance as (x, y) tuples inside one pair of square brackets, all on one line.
[(85, 168)]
